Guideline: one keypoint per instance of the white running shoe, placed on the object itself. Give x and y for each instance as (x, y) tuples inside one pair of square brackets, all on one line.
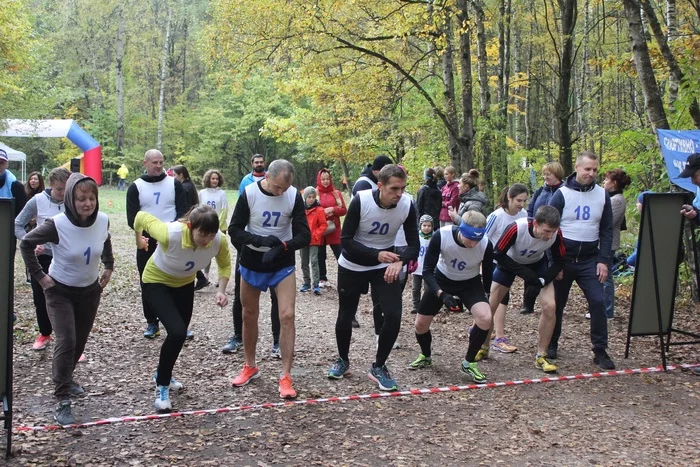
[(162, 403)]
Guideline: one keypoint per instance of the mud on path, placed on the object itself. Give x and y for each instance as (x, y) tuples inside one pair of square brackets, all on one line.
[(650, 419)]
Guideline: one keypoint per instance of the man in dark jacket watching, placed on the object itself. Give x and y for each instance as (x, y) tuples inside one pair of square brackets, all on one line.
[(368, 177), (586, 224), (163, 196)]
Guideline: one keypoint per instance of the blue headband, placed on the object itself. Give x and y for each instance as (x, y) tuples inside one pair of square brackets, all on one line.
[(472, 233)]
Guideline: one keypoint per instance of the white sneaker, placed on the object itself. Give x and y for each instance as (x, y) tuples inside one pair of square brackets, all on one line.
[(323, 284), (162, 403), (395, 346), (175, 385)]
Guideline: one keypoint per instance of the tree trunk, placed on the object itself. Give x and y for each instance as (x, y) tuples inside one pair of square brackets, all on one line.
[(183, 79), (465, 60), (528, 89), (582, 96), (430, 9), (95, 80), (652, 96), (499, 139), (568, 10), (671, 32), (120, 80), (448, 81), (485, 142), (163, 78), (676, 74)]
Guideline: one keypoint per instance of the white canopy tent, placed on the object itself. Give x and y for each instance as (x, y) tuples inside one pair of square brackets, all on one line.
[(17, 156)]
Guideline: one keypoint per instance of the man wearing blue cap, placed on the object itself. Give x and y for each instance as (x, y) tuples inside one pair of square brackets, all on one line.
[(10, 187), (692, 171), (521, 252), (451, 268)]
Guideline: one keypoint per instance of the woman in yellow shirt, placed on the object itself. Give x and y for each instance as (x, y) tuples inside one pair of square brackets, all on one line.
[(184, 247)]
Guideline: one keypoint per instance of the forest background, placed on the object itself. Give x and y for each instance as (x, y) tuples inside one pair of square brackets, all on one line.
[(499, 85)]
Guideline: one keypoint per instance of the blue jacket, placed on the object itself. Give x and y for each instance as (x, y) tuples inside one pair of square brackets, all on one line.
[(245, 181), (541, 198)]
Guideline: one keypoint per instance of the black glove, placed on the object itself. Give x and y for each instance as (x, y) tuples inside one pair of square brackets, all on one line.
[(531, 293), (271, 254), (270, 241), (452, 303)]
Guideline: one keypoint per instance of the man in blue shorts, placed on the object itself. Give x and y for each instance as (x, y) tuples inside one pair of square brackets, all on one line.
[(269, 221), (521, 252)]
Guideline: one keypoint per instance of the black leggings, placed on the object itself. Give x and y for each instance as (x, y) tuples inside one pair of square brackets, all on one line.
[(142, 258), (351, 285), (238, 307), (322, 271), (378, 311), (42, 317), (173, 307)]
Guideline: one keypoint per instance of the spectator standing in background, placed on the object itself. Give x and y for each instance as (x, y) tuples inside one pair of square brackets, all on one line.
[(333, 204), (450, 196), (429, 198)]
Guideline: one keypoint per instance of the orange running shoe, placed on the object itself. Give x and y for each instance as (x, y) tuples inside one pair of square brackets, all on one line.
[(286, 389), (247, 374)]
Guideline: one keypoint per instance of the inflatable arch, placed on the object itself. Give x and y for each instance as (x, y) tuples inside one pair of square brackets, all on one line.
[(92, 160)]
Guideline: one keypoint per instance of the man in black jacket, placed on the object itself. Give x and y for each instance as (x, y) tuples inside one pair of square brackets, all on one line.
[(586, 224), (429, 198), (163, 196), (368, 177)]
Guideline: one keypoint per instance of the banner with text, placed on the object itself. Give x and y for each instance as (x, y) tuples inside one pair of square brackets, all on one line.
[(676, 146)]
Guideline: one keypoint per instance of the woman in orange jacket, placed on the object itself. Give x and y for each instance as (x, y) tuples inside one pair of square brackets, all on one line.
[(333, 204)]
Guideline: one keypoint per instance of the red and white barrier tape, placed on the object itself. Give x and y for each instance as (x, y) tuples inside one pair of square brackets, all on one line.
[(380, 395)]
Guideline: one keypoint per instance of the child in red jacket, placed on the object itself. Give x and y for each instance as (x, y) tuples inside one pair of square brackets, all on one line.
[(316, 218)]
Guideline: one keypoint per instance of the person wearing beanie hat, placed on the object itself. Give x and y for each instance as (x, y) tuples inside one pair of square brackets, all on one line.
[(10, 187), (316, 218), (368, 177), (457, 271), (425, 233), (429, 198)]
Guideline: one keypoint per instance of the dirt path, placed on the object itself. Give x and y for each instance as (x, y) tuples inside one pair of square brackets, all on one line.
[(641, 419)]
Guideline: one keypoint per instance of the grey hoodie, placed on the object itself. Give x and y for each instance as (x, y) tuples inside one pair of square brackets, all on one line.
[(31, 210), (472, 200), (47, 233), (69, 201)]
